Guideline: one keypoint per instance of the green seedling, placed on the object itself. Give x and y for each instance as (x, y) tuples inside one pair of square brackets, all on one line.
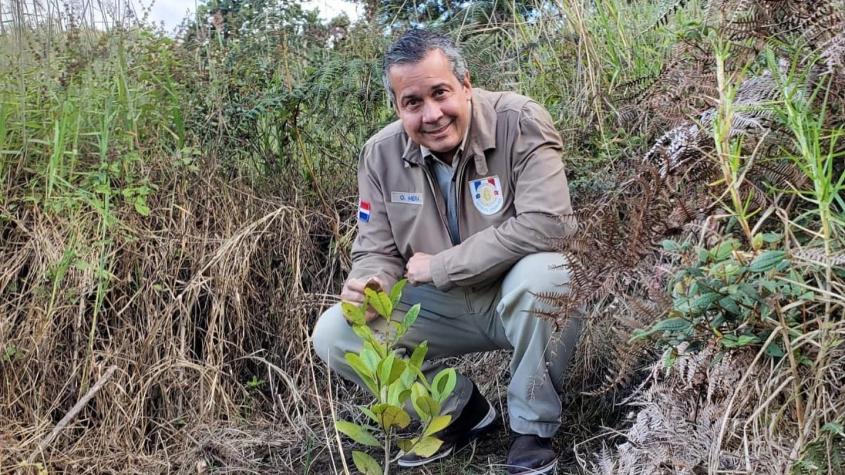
[(395, 381)]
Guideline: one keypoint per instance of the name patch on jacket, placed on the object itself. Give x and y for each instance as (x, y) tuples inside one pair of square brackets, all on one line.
[(407, 198), (364, 211), (487, 194)]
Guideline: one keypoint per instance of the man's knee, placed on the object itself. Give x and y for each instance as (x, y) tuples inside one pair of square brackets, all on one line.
[(543, 272), (328, 334)]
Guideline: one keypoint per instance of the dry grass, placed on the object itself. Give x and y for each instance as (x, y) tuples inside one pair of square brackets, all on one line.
[(194, 299)]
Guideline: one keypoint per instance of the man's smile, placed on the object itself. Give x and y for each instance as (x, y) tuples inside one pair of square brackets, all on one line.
[(439, 130)]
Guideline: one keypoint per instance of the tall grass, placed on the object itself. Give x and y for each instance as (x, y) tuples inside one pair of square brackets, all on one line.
[(729, 155)]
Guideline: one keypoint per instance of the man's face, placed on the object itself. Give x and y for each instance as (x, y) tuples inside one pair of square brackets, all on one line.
[(431, 103)]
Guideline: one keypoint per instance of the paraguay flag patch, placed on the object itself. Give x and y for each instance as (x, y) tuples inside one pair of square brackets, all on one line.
[(363, 211)]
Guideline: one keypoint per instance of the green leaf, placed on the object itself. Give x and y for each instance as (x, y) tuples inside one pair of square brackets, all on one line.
[(772, 238), (730, 341), (365, 463), (418, 391), (437, 424), (443, 384), (384, 369), (406, 444), (380, 302), (770, 285), (141, 207), (774, 350), (672, 325), (723, 250), (396, 291), (370, 358), (357, 433), (757, 242), (391, 416), (366, 410), (766, 260), (393, 392), (425, 406), (670, 245), (410, 317), (418, 356), (703, 303), (363, 332), (427, 446), (391, 369), (357, 364), (749, 292), (353, 313), (834, 428), (729, 304), (408, 376), (399, 366), (362, 371), (669, 357)]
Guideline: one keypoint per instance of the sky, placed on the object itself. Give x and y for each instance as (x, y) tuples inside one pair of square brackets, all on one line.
[(171, 12)]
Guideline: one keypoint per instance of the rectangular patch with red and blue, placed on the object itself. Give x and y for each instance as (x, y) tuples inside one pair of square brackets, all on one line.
[(364, 211)]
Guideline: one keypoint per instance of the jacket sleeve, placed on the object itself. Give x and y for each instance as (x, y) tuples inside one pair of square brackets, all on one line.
[(543, 210), (374, 252)]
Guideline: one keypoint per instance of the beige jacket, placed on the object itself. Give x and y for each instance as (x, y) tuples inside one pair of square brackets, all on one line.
[(511, 190)]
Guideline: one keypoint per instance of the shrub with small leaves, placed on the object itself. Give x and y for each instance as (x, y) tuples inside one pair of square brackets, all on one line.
[(394, 380), (734, 296)]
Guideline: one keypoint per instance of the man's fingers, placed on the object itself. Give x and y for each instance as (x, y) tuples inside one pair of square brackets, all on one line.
[(374, 283), (350, 295), (355, 285), (370, 314)]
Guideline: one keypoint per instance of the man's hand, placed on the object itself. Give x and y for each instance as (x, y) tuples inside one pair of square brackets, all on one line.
[(418, 269), (353, 292)]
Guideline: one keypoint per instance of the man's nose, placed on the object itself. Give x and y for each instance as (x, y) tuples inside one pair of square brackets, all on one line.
[(431, 112)]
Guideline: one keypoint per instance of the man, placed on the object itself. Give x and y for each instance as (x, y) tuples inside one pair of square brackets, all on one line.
[(462, 195)]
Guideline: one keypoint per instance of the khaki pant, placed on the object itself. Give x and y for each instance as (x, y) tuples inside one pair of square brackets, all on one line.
[(465, 320)]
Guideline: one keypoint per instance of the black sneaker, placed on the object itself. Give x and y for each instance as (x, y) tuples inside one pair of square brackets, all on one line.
[(531, 455), (477, 417)]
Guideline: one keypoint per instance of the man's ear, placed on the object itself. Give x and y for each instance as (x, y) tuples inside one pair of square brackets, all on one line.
[(467, 85)]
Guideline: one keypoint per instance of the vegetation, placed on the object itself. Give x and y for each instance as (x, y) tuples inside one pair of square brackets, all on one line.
[(394, 380), (176, 213)]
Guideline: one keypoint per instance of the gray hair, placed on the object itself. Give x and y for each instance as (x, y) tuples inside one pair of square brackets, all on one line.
[(412, 47)]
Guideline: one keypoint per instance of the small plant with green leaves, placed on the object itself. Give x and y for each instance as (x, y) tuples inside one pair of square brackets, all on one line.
[(394, 380), (734, 296)]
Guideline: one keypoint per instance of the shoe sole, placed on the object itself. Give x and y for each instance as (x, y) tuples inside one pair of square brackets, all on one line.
[(473, 434), (485, 423), (548, 468), (420, 462)]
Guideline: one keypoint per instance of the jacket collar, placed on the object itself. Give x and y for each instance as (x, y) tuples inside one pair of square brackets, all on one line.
[(482, 134)]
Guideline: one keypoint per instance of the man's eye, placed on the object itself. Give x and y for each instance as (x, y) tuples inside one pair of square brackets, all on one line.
[(439, 92)]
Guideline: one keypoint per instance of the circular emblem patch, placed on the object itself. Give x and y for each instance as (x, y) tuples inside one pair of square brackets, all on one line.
[(487, 194)]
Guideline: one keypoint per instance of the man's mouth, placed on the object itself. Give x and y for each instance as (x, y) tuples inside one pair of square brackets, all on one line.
[(438, 130)]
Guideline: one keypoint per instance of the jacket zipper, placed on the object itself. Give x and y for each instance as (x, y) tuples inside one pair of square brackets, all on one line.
[(459, 195), (438, 199)]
